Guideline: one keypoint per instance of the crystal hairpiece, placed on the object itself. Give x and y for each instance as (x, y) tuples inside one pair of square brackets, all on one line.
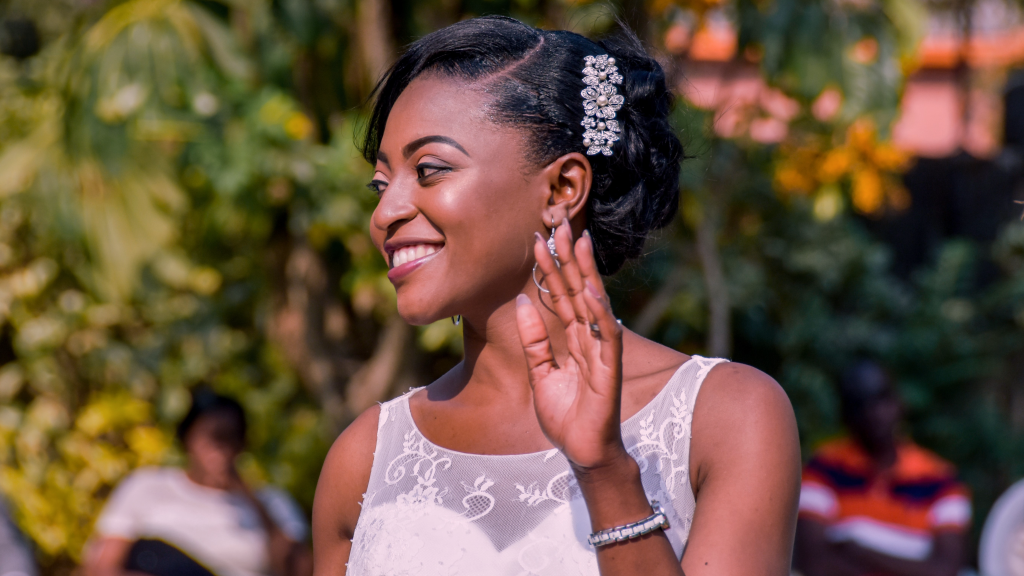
[(601, 100)]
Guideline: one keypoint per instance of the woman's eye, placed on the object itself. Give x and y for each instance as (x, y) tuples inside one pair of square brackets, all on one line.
[(426, 170), (377, 186)]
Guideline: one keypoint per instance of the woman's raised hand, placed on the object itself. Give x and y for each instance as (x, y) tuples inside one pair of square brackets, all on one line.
[(577, 401)]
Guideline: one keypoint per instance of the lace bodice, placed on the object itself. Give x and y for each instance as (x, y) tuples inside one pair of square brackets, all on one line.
[(432, 511)]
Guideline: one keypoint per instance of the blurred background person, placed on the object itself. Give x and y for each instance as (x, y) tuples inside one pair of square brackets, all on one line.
[(203, 519), (15, 556), (874, 502), (1001, 551)]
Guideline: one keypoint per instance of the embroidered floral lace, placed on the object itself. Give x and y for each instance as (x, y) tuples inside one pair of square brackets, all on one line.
[(431, 511)]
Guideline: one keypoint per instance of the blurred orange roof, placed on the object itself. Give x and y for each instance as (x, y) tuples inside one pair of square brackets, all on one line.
[(999, 49), (937, 116), (716, 42)]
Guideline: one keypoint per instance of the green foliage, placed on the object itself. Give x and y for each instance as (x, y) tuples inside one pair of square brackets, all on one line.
[(858, 48), (811, 295), (146, 176)]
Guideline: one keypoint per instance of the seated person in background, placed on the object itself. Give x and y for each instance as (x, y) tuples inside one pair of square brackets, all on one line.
[(1001, 551), (875, 503), (205, 512), (15, 556)]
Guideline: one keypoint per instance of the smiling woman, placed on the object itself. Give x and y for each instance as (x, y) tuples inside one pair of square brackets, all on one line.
[(562, 443)]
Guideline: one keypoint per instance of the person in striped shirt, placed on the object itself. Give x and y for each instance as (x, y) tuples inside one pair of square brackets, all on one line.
[(874, 503)]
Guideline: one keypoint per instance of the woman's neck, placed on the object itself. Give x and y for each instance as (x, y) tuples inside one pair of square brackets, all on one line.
[(494, 359)]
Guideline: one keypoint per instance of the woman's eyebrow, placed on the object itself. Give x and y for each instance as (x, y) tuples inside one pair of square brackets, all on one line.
[(420, 142), (383, 158)]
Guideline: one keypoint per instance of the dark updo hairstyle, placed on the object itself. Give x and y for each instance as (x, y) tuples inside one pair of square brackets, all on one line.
[(536, 77), (231, 429)]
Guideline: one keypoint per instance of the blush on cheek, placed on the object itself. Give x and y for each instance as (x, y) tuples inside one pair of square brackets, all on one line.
[(377, 237)]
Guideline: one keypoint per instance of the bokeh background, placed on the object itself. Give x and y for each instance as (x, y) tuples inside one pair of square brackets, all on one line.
[(181, 201)]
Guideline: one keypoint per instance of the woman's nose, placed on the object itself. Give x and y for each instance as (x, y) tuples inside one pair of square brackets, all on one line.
[(396, 205)]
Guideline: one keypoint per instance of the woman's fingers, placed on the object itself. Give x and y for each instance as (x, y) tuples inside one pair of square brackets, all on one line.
[(609, 331), (588, 263), (553, 282), (533, 335), (567, 279), (570, 271)]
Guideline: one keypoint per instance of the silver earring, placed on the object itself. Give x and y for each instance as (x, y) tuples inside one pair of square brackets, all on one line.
[(554, 254), (457, 319)]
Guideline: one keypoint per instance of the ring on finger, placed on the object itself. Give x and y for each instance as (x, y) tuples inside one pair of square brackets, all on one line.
[(595, 329)]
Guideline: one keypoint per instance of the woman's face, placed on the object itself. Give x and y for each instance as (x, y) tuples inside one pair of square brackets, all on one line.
[(458, 203)]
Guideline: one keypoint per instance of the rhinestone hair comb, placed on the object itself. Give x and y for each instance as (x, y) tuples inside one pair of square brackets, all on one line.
[(601, 100)]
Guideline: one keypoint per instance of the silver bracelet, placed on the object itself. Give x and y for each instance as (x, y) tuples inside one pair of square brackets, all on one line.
[(655, 521)]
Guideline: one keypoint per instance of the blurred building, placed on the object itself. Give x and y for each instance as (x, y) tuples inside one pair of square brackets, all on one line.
[(952, 102), (961, 118)]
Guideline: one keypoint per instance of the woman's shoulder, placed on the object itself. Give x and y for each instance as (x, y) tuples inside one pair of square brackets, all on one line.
[(351, 454), (346, 474), (742, 398), (741, 411)]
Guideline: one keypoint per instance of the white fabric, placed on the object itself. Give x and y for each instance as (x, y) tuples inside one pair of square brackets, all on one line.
[(889, 539), (954, 510), (818, 499), (218, 529), (16, 557), (1001, 551), (430, 511)]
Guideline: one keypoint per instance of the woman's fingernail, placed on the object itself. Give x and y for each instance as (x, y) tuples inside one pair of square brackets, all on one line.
[(522, 300), (593, 290), (538, 237), (565, 222)]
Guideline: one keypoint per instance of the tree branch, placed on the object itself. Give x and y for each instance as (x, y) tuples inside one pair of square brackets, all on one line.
[(377, 377), (719, 341), (655, 308)]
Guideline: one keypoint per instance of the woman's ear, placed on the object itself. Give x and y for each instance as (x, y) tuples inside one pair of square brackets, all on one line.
[(568, 179)]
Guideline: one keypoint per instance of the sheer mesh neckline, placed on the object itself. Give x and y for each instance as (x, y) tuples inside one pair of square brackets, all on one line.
[(429, 511), (550, 452)]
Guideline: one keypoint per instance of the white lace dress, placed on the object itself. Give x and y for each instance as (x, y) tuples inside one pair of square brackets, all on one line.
[(431, 511)]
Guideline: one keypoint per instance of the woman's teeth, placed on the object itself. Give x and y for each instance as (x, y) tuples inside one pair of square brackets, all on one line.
[(407, 254)]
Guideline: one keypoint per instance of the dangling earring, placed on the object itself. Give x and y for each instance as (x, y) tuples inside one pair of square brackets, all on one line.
[(554, 254), (457, 319)]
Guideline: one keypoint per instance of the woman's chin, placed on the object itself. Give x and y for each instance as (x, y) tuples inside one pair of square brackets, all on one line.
[(419, 320), (419, 315)]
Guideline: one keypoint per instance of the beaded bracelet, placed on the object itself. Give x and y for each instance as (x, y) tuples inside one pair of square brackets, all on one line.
[(655, 521)]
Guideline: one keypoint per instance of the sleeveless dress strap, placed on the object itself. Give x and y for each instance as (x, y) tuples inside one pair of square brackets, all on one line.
[(694, 384), (390, 412), (387, 410), (680, 392)]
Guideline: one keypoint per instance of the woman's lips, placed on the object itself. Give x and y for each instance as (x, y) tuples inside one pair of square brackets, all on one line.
[(408, 258)]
